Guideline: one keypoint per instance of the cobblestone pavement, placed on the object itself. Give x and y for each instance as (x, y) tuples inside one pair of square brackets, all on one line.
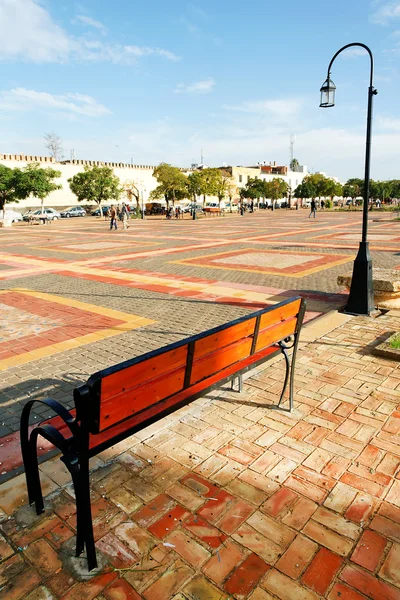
[(76, 297), (226, 499)]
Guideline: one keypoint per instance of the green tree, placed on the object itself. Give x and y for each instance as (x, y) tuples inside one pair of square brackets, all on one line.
[(194, 185), (353, 188), (209, 182), (276, 189), (305, 190), (10, 186), (95, 184), (38, 182), (294, 165), (224, 185), (171, 184), (332, 188)]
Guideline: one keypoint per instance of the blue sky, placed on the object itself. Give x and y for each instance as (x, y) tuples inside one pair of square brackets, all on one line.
[(160, 81)]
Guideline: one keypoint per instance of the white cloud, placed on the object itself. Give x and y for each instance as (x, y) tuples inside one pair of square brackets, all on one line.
[(386, 13), (392, 124), (280, 108), (92, 23), (76, 104), (199, 87), (354, 52), (28, 33)]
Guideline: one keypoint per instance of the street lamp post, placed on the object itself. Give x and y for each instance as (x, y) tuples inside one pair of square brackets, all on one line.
[(141, 193), (361, 297)]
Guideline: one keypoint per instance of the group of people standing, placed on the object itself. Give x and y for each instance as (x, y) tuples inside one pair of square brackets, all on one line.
[(120, 213)]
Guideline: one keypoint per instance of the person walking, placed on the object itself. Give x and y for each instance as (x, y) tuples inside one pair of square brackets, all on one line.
[(125, 216), (313, 210), (113, 215)]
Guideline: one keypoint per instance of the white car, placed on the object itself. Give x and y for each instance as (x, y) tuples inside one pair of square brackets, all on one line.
[(49, 213), (12, 215)]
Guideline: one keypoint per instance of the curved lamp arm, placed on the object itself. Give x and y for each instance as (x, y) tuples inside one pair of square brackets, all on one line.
[(350, 46)]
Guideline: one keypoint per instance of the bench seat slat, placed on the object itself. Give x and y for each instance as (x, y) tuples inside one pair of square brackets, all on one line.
[(180, 397), (223, 338), (280, 313), (113, 384), (220, 359), (134, 399), (276, 333)]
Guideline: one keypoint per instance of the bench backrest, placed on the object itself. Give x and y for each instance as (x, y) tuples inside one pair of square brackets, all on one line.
[(124, 390)]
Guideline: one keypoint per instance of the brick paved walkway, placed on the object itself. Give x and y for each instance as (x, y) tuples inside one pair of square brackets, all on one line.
[(77, 297), (227, 499)]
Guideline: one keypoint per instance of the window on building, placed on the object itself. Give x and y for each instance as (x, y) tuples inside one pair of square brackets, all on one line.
[(240, 179), (248, 178)]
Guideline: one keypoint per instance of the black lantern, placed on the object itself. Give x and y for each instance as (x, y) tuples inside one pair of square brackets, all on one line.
[(328, 90)]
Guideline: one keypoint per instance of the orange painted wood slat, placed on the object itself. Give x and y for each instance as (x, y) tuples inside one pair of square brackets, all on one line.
[(223, 338), (220, 359), (276, 333), (134, 400), (281, 313), (154, 409), (114, 384)]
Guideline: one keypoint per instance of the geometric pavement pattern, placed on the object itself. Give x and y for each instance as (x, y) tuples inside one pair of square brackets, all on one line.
[(226, 499), (77, 297)]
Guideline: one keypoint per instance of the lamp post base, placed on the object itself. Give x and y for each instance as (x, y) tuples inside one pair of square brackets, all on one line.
[(361, 297)]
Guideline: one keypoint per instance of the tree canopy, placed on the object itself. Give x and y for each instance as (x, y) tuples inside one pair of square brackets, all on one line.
[(10, 190), (294, 165), (18, 184), (95, 184), (171, 184)]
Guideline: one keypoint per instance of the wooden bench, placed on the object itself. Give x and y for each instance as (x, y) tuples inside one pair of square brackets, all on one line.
[(123, 399)]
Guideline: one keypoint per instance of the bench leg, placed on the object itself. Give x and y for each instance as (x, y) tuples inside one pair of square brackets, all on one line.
[(84, 516), (287, 375), (239, 379), (29, 456)]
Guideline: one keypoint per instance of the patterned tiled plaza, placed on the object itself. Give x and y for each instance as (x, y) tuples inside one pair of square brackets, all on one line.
[(225, 498)]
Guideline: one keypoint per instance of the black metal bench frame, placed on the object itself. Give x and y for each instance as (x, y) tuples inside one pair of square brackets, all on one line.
[(75, 448)]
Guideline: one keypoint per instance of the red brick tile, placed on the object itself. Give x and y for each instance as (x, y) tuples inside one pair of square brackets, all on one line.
[(5, 549), (121, 590), (322, 570), (59, 535), (188, 548), (169, 583), (272, 529), (213, 509), (236, 454), (336, 467), (368, 584), (280, 502), (153, 510), (201, 589), (300, 430), (300, 513), (390, 511), (43, 557), (297, 556), (317, 436), (288, 452), (119, 554), (367, 473), (205, 531), (361, 508), (246, 577), (235, 517), (390, 568), (20, 586), (222, 563), (169, 522), (335, 542), (284, 588), (60, 583), (306, 489), (369, 550), (27, 536), (389, 464), (370, 456), (10, 568), (201, 486), (362, 484), (258, 543), (342, 592)]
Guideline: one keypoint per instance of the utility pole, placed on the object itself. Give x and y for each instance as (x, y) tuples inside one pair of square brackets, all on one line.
[(291, 147)]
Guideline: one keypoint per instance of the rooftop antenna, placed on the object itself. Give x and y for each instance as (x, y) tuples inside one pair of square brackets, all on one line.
[(72, 154), (201, 157), (291, 147)]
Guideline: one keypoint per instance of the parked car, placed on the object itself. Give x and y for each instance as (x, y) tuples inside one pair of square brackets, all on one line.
[(74, 211), (49, 213), (12, 215), (96, 211), (189, 208), (233, 208)]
